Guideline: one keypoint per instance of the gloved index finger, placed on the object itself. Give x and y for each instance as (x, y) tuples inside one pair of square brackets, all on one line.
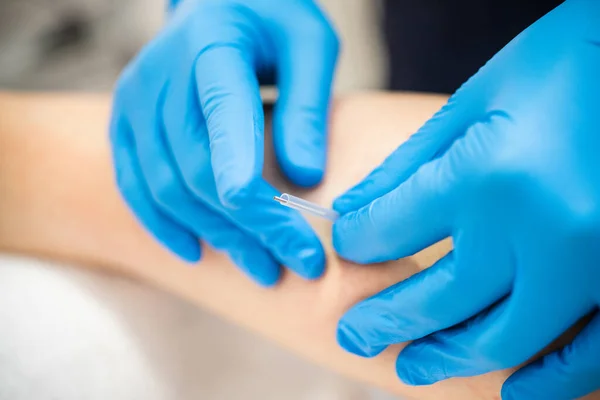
[(283, 231), (406, 220), (229, 96), (420, 211)]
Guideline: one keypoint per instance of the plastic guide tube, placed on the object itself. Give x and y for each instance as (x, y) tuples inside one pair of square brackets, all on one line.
[(303, 205)]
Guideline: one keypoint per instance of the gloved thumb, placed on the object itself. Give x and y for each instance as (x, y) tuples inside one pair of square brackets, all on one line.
[(569, 373)]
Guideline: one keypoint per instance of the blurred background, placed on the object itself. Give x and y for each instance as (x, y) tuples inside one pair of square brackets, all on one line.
[(83, 44), (69, 334)]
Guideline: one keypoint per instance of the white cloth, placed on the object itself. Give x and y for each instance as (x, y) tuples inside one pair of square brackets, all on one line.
[(71, 334)]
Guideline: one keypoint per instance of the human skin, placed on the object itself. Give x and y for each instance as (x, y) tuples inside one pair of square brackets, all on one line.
[(58, 200)]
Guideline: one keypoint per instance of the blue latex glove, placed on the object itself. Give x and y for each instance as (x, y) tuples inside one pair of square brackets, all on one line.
[(510, 169), (187, 130)]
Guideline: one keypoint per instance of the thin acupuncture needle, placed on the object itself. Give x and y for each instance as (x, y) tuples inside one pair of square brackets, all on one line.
[(304, 205)]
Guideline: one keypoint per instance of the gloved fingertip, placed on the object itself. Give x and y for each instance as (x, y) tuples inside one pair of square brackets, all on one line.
[(305, 176), (515, 388), (409, 375), (354, 198), (191, 257), (268, 280), (306, 258), (361, 194), (343, 204), (507, 392), (257, 264), (301, 149), (413, 365), (337, 234), (312, 262), (348, 240), (266, 275), (294, 244), (188, 249), (350, 340)]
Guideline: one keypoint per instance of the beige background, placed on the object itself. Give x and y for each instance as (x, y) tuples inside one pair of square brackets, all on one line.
[(117, 28)]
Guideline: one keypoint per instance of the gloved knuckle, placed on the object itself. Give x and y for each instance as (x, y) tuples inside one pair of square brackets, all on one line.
[(500, 172), (123, 88), (318, 29), (238, 196), (483, 172), (135, 81), (277, 237), (146, 69), (330, 37), (223, 239), (125, 181), (154, 62)]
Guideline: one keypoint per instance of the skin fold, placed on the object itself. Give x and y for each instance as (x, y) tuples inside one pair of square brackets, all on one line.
[(58, 200)]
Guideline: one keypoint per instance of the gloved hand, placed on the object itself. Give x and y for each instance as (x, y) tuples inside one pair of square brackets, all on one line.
[(510, 170), (187, 130)]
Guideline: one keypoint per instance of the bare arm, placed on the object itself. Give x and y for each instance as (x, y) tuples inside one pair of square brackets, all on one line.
[(57, 199)]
